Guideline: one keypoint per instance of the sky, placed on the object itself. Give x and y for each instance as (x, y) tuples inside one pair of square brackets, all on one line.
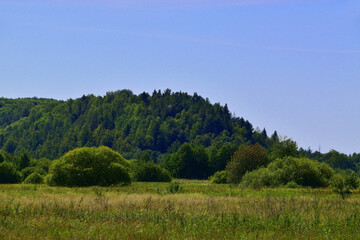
[(287, 65)]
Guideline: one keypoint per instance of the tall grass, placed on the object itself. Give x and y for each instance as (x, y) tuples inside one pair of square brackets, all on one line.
[(200, 211)]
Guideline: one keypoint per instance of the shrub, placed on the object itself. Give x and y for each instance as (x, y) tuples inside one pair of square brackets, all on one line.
[(246, 159), (174, 187), (219, 177), (292, 184), (151, 172), (302, 171), (344, 183), (290, 171), (8, 173), (29, 170), (89, 166), (262, 177), (34, 178)]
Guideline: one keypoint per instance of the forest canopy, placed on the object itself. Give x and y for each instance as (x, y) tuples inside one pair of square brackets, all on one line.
[(186, 134)]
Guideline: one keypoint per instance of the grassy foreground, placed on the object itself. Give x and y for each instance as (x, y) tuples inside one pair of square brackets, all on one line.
[(200, 211)]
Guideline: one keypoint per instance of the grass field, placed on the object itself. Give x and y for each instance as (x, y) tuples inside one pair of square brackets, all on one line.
[(199, 211)]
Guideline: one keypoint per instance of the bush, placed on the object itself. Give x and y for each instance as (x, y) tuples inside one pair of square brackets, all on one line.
[(292, 184), (34, 178), (290, 172), (29, 170), (219, 177), (174, 187), (151, 172), (262, 177), (89, 166), (302, 171), (246, 159), (344, 183), (8, 173)]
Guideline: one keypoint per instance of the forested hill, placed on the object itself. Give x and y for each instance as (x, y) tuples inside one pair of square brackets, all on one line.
[(159, 123)]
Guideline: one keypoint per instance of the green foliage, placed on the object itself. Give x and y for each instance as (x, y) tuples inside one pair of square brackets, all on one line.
[(157, 124), (34, 178), (292, 184), (88, 167), (9, 173), (290, 170), (189, 162), (174, 187), (30, 170), (146, 158), (262, 177), (24, 160), (126, 122), (2, 158), (10, 146), (344, 183), (283, 148), (220, 155), (219, 177), (302, 171), (246, 159), (151, 172)]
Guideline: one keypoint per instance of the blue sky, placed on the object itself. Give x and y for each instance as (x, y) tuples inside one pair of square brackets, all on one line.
[(286, 65)]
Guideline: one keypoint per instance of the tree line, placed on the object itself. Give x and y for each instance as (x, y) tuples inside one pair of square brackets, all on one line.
[(185, 134)]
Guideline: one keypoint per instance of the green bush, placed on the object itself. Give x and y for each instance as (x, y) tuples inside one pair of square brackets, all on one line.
[(302, 171), (34, 178), (219, 177), (262, 177), (89, 166), (290, 171), (151, 172), (8, 173), (246, 159), (174, 187), (344, 183), (29, 170), (292, 184)]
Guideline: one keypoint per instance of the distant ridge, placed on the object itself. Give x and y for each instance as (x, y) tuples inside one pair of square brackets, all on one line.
[(130, 124)]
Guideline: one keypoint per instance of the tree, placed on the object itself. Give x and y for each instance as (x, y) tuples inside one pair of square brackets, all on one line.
[(146, 158), (188, 162), (219, 156), (283, 148), (2, 158), (151, 172), (89, 166), (8, 173), (24, 160), (10, 146), (246, 159)]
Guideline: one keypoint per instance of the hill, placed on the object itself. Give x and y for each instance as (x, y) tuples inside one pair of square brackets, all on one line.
[(130, 124)]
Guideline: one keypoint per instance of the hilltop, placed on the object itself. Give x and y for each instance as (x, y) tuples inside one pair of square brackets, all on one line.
[(128, 123)]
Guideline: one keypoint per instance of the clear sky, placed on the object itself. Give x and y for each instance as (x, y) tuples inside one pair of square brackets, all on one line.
[(286, 65)]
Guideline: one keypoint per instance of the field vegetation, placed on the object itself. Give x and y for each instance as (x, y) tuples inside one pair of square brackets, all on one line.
[(198, 210)]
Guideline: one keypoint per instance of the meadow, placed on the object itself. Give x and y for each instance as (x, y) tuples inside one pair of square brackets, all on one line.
[(195, 210)]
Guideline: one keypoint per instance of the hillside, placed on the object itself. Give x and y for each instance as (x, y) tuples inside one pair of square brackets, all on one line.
[(159, 123)]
